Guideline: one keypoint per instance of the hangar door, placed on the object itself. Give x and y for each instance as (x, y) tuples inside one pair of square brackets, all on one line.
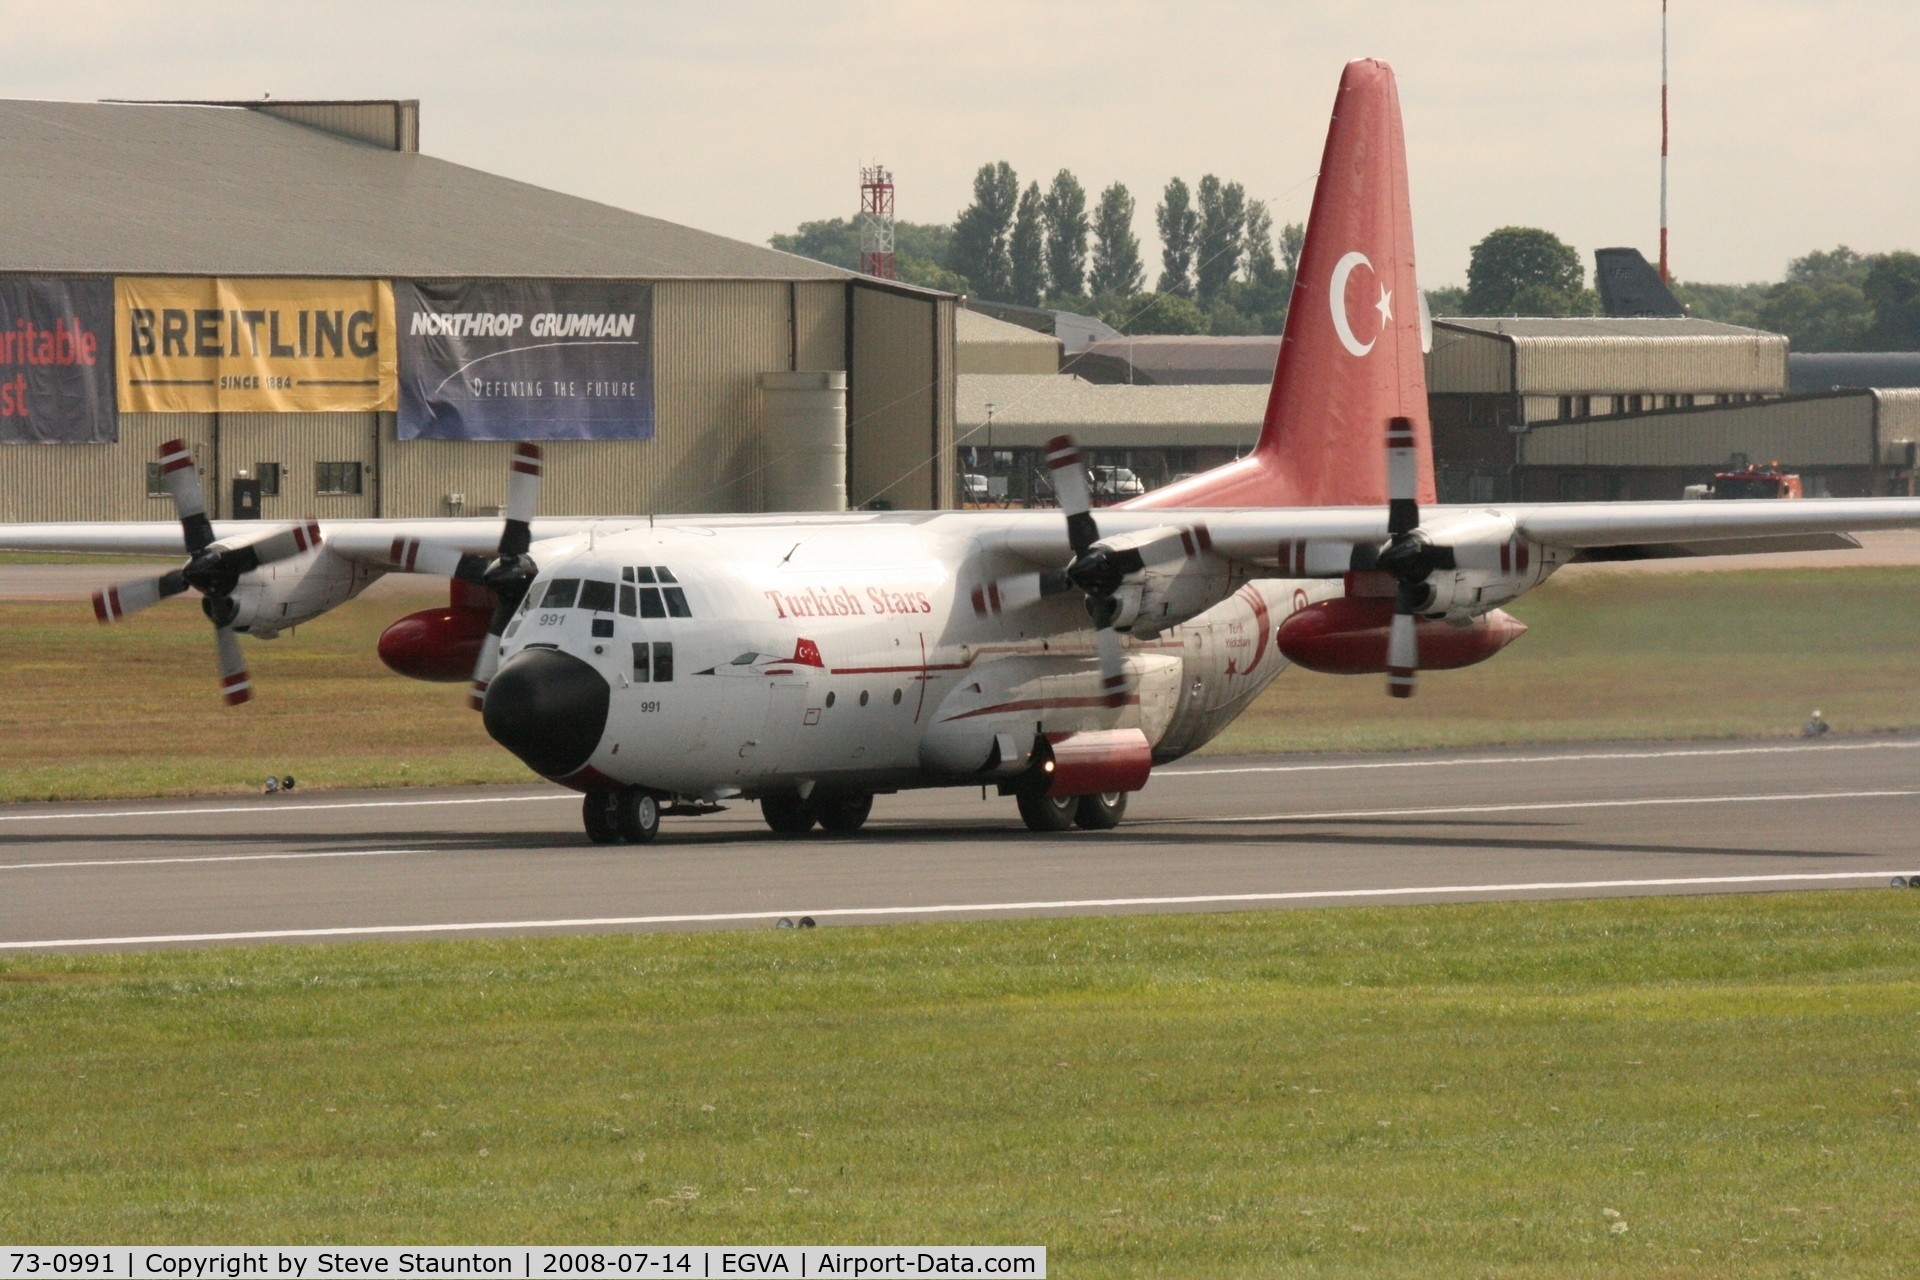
[(899, 397)]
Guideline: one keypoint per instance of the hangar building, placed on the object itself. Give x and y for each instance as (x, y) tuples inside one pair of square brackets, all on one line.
[(224, 225)]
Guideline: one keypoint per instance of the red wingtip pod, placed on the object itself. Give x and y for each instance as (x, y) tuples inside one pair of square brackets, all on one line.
[(1351, 358)]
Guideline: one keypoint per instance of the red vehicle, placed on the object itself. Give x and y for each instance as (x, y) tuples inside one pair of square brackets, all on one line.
[(1756, 482)]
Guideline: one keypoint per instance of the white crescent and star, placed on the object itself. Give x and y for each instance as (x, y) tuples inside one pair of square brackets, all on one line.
[(1337, 303)]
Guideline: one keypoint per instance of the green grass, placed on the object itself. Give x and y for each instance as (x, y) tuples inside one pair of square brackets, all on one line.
[(1637, 656), (1411, 1091), (99, 712)]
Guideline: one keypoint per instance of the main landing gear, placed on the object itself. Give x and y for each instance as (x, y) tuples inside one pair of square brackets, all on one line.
[(841, 813), (630, 815), (1057, 813)]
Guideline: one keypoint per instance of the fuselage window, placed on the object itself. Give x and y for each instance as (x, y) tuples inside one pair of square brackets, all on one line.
[(650, 605), (560, 593), (676, 602), (662, 661), (629, 602), (642, 665), (597, 596), (643, 574)]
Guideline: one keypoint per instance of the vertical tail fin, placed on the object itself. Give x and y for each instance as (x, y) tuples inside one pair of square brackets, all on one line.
[(1351, 358)]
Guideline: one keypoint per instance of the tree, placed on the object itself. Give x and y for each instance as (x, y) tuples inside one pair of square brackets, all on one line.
[(1447, 300), (1218, 241), (1822, 304), (1293, 238), (1116, 250), (1066, 210), (1892, 289), (1155, 313), (1177, 223), (1028, 250), (978, 251), (919, 249), (1526, 271), (1261, 267)]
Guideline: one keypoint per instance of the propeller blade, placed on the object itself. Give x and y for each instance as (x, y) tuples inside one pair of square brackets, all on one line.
[(513, 572), (1403, 653), (1403, 478), (1069, 471), (182, 480), (523, 499), (114, 603), (236, 685), (1113, 666), (281, 544)]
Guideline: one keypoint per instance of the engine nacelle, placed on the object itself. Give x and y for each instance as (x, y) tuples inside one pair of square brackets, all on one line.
[(1172, 574), (1348, 637), (436, 644), (1094, 763)]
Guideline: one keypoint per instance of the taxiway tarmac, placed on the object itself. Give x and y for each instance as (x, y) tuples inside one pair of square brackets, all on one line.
[(1227, 833)]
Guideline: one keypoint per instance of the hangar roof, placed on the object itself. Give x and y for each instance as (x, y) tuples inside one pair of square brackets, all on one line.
[(223, 190), (983, 344), (1030, 409), (1600, 327)]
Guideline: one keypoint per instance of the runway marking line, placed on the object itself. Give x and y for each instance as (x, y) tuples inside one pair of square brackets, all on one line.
[(1644, 802), (1165, 773), (723, 917), (212, 857), (1555, 759)]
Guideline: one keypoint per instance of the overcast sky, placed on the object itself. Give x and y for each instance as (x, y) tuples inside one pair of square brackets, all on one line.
[(1793, 121)]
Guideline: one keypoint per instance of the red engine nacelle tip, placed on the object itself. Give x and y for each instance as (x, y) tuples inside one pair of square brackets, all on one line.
[(436, 644), (1348, 637)]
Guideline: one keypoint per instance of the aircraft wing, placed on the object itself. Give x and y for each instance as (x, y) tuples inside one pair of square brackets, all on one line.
[(1596, 530), (368, 541)]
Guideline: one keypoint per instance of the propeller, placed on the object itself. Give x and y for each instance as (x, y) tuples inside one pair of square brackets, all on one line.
[(1097, 571), (214, 568), (512, 570), (1409, 555)]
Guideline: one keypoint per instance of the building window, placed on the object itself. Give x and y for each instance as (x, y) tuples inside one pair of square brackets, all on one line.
[(1566, 408), (268, 474), (336, 477), (156, 485)]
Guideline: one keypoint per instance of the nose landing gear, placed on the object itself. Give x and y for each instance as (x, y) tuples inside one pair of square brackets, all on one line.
[(630, 815)]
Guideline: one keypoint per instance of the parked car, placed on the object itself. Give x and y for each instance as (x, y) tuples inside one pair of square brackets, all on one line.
[(1116, 484)]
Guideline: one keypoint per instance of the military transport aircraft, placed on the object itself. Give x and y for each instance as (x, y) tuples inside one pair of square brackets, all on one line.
[(812, 661)]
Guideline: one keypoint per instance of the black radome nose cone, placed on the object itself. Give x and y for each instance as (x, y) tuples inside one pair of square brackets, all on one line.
[(549, 708)]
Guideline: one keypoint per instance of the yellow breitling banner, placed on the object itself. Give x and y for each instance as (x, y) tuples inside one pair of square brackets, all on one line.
[(254, 346)]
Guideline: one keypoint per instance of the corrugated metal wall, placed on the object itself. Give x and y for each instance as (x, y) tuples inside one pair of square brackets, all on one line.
[(900, 401), (394, 125), (1567, 366), (98, 481), (1827, 431), (820, 325), (297, 442), (1899, 414), (1467, 362)]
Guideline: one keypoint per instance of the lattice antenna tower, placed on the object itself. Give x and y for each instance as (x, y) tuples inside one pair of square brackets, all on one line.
[(876, 222)]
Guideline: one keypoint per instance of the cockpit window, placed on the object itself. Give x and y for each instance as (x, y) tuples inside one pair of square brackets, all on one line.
[(643, 574), (666, 574), (676, 601), (597, 596), (628, 600), (560, 593), (650, 604)]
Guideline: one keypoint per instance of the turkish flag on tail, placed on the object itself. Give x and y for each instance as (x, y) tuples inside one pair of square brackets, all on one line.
[(1351, 357)]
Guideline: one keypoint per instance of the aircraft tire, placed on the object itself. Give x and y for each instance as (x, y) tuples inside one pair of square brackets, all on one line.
[(787, 815), (636, 814), (1048, 813), (596, 810), (1101, 812), (841, 814)]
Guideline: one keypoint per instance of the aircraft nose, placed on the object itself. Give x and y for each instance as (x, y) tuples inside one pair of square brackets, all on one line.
[(549, 708)]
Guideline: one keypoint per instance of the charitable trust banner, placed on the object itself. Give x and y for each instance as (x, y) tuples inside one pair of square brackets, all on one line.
[(56, 361), (525, 359), (198, 345)]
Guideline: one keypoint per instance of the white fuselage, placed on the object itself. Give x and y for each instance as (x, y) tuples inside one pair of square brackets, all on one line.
[(848, 656)]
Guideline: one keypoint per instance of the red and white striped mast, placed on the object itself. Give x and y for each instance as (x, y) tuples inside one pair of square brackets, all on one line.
[(1663, 141)]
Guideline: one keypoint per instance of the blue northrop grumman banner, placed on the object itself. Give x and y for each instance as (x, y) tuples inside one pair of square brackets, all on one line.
[(525, 359)]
